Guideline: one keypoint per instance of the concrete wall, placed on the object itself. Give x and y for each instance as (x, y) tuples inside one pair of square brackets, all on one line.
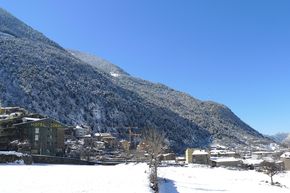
[(200, 159), (188, 155), (58, 160), (286, 163), (226, 164)]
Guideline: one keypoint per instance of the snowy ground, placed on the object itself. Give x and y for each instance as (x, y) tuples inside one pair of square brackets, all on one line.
[(73, 179), (132, 179), (195, 178)]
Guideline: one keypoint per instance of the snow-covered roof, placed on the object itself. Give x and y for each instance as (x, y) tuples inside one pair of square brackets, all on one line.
[(103, 135), (218, 146), (30, 119), (224, 159), (180, 158), (252, 161), (222, 152), (4, 116), (18, 154), (168, 154), (199, 152), (9, 108), (268, 159), (286, 155)]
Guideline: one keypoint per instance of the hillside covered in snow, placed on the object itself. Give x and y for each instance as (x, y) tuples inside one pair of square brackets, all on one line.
[(78, 89)]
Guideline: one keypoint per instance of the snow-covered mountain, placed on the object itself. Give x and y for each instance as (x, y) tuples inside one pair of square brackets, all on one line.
[(279, 137), (77, 88)]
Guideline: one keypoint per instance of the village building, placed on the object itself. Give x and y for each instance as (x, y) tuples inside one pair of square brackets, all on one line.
[(218, 147), (285, 157), (168, 157), (11, 112), (250, 163), (196, 156), (200, 157), (43, 135), (81, 131), (262, 154), (180, 160), (109, 141), (125, 145), (46, 136), (224, 153)]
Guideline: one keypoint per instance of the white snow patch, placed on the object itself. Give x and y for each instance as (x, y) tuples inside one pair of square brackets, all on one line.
[(224, 159), (199, 152), (114, 74)]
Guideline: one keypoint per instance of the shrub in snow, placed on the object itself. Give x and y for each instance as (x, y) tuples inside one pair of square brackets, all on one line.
[(271, 168)]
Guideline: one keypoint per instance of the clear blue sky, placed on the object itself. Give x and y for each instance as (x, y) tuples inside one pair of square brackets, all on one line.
[(235, 52)]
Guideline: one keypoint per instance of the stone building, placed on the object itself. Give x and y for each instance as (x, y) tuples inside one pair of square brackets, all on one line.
[(200, 157), (196, 156), (285, 157), (45, 136)]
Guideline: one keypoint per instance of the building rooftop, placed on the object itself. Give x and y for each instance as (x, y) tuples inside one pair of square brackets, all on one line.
[(27, 119), (199, 152), (222, 152), (286, 155), (103, 135)]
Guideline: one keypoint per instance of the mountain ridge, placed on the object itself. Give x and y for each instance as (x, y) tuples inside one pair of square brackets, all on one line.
[(180, 99)]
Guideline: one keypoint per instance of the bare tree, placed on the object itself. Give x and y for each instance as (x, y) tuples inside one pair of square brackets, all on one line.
[(271, 168), (155, 142)]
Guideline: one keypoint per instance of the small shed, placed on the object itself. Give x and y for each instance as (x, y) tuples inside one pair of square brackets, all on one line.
[(200, 156), (168, 156), (180, 160), (225, 161)]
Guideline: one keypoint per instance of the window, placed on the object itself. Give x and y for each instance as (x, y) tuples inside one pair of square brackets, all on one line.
[(36, 138), (36, 130)]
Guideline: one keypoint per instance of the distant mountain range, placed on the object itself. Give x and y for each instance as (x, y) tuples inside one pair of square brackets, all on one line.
[(281, 137), (77, 88)]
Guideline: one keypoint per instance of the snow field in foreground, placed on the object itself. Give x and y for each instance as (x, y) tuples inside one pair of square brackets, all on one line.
[(74, 179), (196, 178), (133, 178)]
